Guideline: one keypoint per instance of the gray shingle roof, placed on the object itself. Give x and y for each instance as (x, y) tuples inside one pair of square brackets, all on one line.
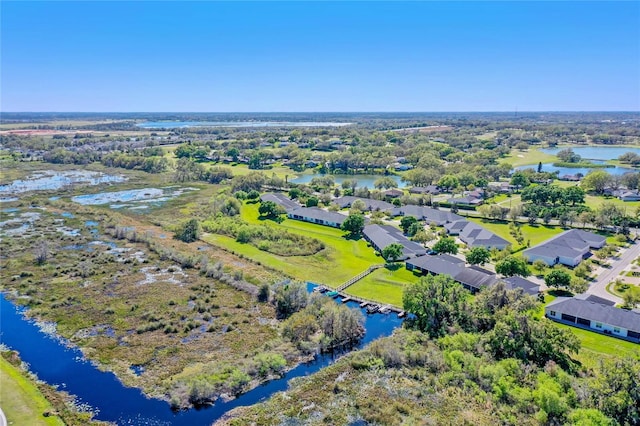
[(518, 282), (454, 228), (571, 243), (472, 276), (475, 235), (440, 217), (597, 312), (281, 200), (383, 235), (440, 264)]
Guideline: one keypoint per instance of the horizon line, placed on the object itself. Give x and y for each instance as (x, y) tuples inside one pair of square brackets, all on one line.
[(322, 112)]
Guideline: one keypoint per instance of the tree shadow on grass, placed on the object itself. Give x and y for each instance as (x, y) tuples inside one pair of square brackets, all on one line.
[(393, 266), (352, 237), (560, 293)]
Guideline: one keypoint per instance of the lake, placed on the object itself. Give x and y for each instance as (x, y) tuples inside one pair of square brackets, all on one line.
[(596, 152), (56, 363), (549, 167), (184, 124), (363, 180), (52, 180)]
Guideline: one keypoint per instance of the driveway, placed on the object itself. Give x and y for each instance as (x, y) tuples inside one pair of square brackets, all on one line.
[(606, 275)]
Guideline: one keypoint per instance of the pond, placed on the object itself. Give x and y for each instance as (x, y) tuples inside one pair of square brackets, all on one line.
[(596, 152), (363, 180), (133, 199), (52, 180), (58, 364), (562, 171), (183, 124)]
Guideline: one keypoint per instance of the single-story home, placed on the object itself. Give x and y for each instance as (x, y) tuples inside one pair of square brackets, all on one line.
[(527, 286), (568, 248), (429, 189), (629, 196), (428, 214), (596, 317), (454, 228), (466, 201), (369, 203), (317, 215), (474, 235), (472, 278), (280, 199), (393, 193), (380, 236)]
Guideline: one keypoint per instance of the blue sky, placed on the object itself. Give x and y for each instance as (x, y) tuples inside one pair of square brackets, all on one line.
[(326, 56)]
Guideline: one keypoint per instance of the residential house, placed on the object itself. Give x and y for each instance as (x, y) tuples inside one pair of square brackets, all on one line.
[(629, 196), (472, 278), (567, 248), (424, 190), (596, 317), (317, 215), (467, 200), (280, 199), (454, 228), (393, 193), (381, 236), (369, 203), (528, 287), (474, 235), (428, 214), (502, 187)]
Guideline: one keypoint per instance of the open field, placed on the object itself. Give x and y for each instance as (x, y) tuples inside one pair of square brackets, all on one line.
[(21, 401)]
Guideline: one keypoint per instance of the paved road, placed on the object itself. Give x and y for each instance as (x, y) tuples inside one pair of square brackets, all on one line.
[(598, 287)]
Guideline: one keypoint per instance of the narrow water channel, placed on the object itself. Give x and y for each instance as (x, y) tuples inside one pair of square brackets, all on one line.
[(57, 364)]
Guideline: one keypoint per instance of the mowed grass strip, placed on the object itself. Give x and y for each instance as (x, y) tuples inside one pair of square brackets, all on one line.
[(21, 401), (595, 345), (384, 285)]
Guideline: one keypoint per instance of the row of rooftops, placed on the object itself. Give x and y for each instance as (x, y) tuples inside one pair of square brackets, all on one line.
[(473, 277), (471, 233), (381, 236)]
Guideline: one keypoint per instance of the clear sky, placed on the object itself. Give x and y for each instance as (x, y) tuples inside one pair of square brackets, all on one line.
[(326, 56)]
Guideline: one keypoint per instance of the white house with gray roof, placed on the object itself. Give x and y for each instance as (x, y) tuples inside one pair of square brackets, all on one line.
[(316, 215), (474, 235), (595, 316), (567, 248)]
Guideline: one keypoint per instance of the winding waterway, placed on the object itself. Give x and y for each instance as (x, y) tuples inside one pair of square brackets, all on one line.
[(57, 364)]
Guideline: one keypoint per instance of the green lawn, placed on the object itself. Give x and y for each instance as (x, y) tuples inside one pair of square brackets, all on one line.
[(342, 258), (21, 401), (594, 345), (384, 285), (595, 202), (531, 156), (535, 234)]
